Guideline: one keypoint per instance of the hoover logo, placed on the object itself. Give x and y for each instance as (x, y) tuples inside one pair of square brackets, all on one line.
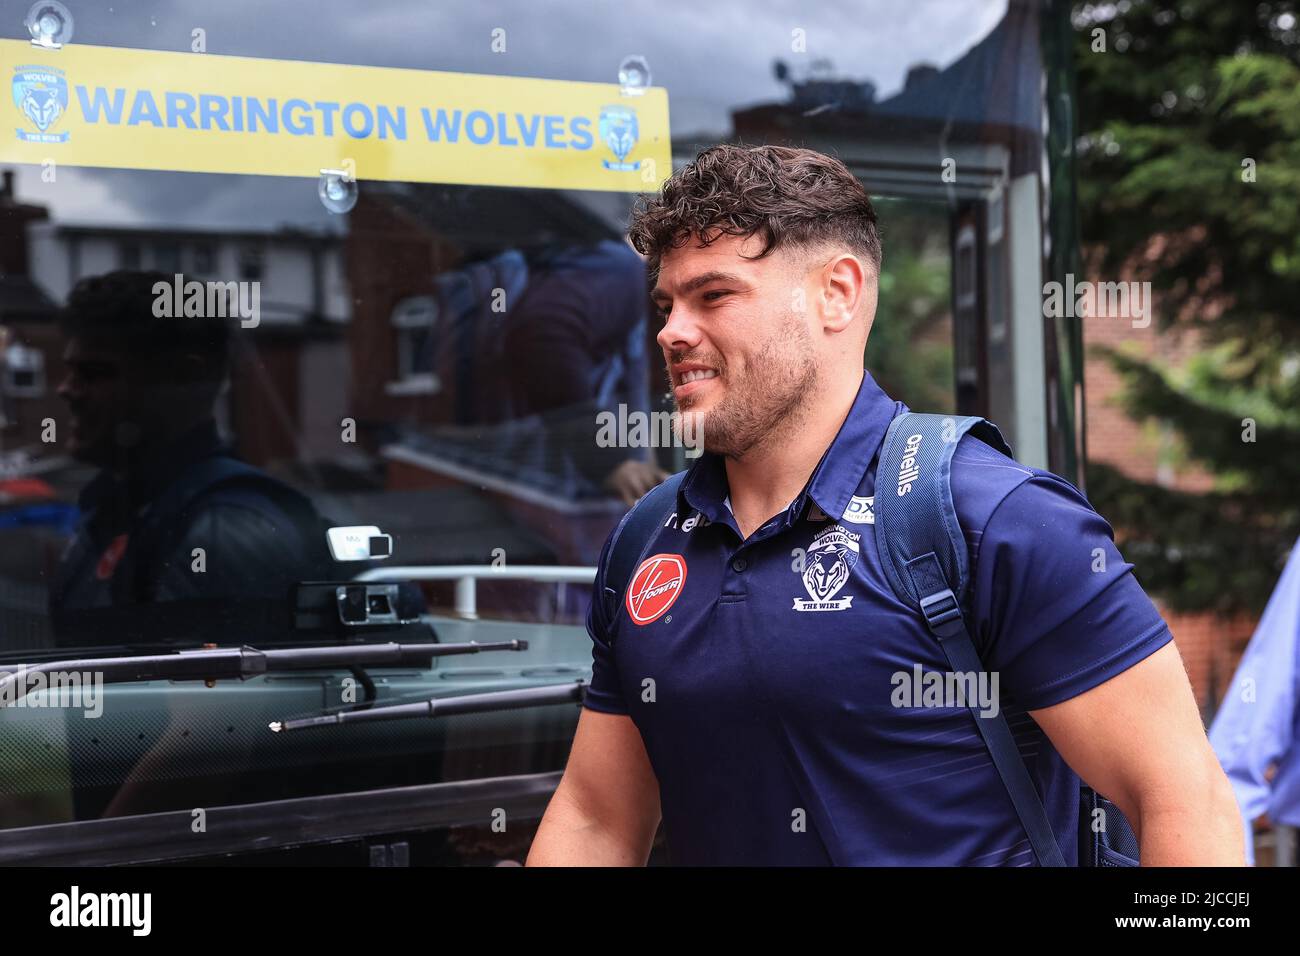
[(619, 131), (831, 557), (655, 587), (41, 96)]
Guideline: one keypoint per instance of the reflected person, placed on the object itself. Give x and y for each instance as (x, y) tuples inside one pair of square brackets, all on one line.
[(141, 392), (576, 348)]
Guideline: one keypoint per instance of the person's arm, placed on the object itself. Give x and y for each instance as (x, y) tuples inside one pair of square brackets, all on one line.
[(1254, 727), (606, 809), (1080, 646), (631, 479), (1138, 740)]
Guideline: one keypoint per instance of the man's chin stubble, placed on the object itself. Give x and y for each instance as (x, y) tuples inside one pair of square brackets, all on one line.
[(735, 432)]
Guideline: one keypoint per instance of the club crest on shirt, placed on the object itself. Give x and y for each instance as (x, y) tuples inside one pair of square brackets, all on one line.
[(828, 562)]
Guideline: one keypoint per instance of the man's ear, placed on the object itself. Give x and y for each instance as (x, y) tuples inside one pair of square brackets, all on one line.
[(847, 284)]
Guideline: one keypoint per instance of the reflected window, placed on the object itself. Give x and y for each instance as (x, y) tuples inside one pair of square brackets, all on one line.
[(167, 257), (129, 255), (251, 262), (23, 371), (203, 258)]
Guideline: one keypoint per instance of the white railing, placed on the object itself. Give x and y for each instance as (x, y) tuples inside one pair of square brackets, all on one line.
[(466, 577)]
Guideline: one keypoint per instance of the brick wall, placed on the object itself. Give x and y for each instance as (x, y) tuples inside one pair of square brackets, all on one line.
[(1210, 644)]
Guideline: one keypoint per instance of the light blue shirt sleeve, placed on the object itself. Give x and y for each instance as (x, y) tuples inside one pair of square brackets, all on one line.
[(1255, 726)]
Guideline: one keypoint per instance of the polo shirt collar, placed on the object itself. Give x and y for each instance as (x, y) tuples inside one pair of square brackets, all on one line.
[(833, 482)]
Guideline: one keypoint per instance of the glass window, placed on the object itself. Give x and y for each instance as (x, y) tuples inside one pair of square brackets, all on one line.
[(420, 349)]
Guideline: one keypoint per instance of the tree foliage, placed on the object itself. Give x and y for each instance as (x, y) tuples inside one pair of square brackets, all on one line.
[(1189, 167)]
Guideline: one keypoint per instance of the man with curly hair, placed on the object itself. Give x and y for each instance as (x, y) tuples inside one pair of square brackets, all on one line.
[(762, 734)]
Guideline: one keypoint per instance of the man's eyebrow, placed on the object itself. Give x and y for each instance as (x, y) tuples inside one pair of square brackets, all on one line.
[(703, 279)]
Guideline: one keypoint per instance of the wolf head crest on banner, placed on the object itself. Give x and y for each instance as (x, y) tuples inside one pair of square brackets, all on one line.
[(619, 131), (829, 562), (41, 95), (827, 571)]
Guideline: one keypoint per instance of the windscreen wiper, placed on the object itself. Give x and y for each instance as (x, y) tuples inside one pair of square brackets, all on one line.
[(211, 664), (446, 706)]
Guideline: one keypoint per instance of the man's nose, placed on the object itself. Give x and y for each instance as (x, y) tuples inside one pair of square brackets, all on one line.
[(67, 388), (680, 333)]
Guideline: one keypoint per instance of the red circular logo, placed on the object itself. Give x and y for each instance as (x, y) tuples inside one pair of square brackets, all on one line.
[(655, 587)]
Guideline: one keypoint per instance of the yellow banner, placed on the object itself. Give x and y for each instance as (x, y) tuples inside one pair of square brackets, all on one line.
[(196, 112)]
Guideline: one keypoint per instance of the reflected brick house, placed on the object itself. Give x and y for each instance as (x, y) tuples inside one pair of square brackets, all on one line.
[(284, 403), (1210, 644), (26, 313)]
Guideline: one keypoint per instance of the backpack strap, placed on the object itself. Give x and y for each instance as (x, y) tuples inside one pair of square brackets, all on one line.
[(633, 535), (924, 555)]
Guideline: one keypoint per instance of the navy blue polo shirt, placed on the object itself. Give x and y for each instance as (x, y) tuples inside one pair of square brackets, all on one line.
[(764, 680)]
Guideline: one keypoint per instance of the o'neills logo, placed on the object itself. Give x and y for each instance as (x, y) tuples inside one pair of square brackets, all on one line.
[(655, 587), (908, 471)]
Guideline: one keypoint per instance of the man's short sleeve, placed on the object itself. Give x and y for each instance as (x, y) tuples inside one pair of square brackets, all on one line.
[(1057, 609), (604, 694)]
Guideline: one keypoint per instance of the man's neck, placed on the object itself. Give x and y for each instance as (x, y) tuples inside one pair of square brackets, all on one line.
[(769, 476), (165, 450)]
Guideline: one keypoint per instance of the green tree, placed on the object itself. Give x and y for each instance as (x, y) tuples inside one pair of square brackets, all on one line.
[(910, 351), (1189, 177)]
